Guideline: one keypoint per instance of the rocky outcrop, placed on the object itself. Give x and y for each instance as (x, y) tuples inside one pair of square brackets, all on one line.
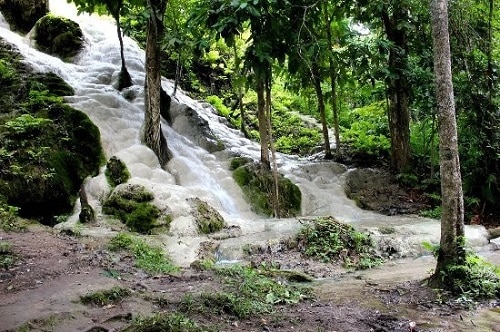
[(208, 220), (257, 184), (189, 123), (58, 36), (132, 204), (23, 14)]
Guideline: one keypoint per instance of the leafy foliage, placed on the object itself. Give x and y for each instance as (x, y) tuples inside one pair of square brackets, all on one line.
[(366, 129), (332, 241), (149, 258), (475, 279)]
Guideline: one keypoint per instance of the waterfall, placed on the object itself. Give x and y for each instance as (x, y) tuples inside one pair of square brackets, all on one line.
[(192, 172)]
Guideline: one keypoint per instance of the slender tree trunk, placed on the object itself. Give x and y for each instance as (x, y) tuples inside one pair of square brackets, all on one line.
[(262, 118), (178, 71), (333, 83), (124, 79), (399, 114), (451, 250), (321, 108), (275, 192), (115, 7), (153, 135), (238, 73), (335, 109)]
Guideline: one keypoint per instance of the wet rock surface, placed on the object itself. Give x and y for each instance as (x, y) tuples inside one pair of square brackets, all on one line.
[(378, 190)]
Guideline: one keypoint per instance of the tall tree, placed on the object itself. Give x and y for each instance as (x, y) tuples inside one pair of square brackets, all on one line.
[(395, 20), (451, 250), (152, 134)]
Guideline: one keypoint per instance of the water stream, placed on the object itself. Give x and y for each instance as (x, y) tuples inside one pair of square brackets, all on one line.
[(193, 172)]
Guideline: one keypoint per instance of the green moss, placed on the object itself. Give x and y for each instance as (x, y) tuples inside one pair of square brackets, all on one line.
[(48, 148), (238, 161), (257, 184), (208, 220), (54, 84), (131, 205), (58, 36), (116, 171)]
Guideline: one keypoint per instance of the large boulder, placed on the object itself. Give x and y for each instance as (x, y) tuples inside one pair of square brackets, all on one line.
[(23, 14), (257, 184), (189, 123), (47, 148), (58, 36)]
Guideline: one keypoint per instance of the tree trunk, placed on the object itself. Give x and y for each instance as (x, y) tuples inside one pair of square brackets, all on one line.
[(124, 79), (451, 250), (399, 115), (275, 192), (178, 72), (321, 108), (262, 118), (153, 135), (333, 83), (238, 73)]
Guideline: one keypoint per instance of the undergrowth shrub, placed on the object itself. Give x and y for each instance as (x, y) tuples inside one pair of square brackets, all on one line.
[(476, 279), (246, 292), (150, 258), (171, 322), (332, 241)]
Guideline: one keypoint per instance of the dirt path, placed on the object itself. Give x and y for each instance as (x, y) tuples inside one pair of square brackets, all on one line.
[(41, 292)]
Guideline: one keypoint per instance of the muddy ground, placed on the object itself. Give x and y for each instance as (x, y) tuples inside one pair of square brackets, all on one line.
[(41, 292)]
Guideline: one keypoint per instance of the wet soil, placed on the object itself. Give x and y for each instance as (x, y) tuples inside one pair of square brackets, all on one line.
[(41, 292)]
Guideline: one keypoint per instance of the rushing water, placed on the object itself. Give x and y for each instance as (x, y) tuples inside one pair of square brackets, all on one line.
[(192, 172)]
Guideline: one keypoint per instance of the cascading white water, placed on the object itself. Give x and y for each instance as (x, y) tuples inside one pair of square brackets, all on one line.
[(192, 172)]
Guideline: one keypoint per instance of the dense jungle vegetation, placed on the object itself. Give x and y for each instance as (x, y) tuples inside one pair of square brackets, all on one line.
[(362, 69)]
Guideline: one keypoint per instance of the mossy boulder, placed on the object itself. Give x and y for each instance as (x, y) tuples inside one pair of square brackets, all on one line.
[(131, 203), (208, 220), (257, 183), (58, 36), (48, 148), (23, 14), (116, 171)]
